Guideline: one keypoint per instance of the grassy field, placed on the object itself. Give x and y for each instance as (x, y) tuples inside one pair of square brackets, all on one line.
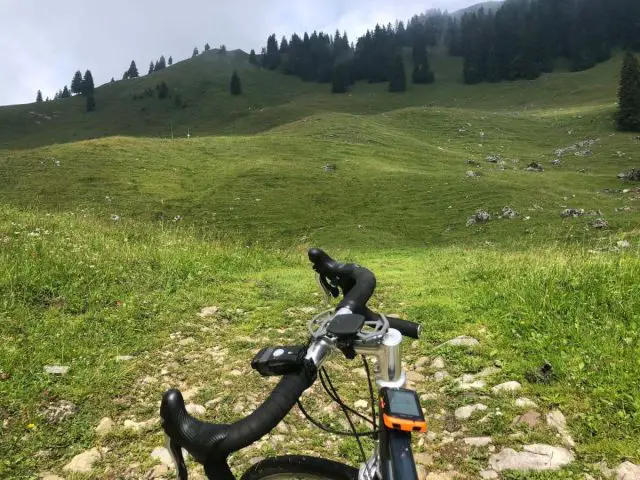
[(113, 236)]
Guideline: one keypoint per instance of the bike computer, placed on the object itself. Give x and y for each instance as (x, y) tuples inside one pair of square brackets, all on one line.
[(401, 410)]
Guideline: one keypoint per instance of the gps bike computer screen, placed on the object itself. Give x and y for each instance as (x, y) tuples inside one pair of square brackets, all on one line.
[(403, 403)]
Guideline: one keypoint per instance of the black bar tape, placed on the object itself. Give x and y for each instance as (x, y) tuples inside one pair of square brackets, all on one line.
[(281, 400), (405, 327)]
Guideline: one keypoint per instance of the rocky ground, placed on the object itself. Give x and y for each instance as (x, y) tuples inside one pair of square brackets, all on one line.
[(481, 423)]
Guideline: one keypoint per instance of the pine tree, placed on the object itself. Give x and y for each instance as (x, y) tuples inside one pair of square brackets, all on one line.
[(236, 86), (39, 97), (398, 82), (151, 68), (87, 83), (170, 61), (156, 67), (76, 83), (341, 78), (421, 70), (628, 115), (493, 67), (163, 90), (284, 45), (207, 47), (223, 49), (65, 92), (195, 52), (133, 70), (272, 58), (253, 58), (91, 103), (162, 63)]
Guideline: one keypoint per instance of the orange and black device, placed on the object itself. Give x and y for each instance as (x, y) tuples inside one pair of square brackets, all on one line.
[(400, 410)]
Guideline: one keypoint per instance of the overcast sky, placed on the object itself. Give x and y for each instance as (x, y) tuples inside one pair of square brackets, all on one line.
[(45, 42)]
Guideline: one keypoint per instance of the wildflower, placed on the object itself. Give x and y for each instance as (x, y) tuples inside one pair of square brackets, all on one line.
[(115, 218)]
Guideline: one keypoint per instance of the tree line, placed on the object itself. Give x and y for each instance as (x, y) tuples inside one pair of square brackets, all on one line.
[(376, 57), (523, 39)]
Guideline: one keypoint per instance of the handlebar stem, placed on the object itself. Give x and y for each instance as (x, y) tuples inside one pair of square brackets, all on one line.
[(388, 370)]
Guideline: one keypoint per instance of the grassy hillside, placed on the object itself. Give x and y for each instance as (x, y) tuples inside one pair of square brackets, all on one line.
[(113, 236), (271, 99)]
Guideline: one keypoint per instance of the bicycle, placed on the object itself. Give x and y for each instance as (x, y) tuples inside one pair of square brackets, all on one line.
[(352, 329)]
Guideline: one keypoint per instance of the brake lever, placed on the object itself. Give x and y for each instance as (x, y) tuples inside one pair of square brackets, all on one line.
[(329, 288), (178, 459)]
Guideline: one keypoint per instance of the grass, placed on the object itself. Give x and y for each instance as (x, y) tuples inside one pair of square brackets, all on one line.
[(225, 220)]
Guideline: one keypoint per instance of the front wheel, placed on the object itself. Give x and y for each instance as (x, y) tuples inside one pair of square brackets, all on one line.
[(300, 467)]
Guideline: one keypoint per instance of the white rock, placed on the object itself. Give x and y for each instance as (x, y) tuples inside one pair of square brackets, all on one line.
[(104, 427), (462, 341), (421, 470), (83, 462), (440, 376), (361, 404), (123, 358), (477, 441), (463, 413), (141, 426), (488, 474), (438, 363), (163, 456), (49, 476), (628, 471), (414, 376), (159, 471), (208, 311), (56, 369), (556, 419), (475, 385), (190, 393), (524, 402), (533, 457), (423, 459), (507, 387), (623, 244), (195, 409)]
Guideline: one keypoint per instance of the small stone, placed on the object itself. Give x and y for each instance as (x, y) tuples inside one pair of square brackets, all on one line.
[(235, 373), (557, 420), (60, 411), (431, 436), (442, 475), (141, 426), (104, 427), (531, 418), (524, 402), (437, 363), (282, 427), (477, 441), (56, 369), (628, 471), (83, 462), (195, 409), (163, 456), (488, 474), (507, 387), (190, 393), (423, 459), (414, 376), (475, 385), (148, 380), (158, 471), (213, 403), (361, 404), (464, 413), (600, 223), (254, 460), (208, 311), (49, 476), (421, 362), (462, 341), (533, 457), (440, 376), (623, 244), (421, 471), (238, 408), (124, 358), (187, 341)]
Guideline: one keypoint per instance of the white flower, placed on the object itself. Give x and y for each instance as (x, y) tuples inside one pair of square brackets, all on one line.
[(115, 218)]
